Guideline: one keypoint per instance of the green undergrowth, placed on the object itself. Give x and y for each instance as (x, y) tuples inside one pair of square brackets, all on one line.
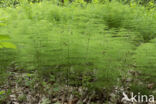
[(74, 41)]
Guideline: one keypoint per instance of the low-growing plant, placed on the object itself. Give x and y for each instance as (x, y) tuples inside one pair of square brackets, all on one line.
[(89, 45)]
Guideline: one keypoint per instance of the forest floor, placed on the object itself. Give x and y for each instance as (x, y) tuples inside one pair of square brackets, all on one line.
[(26, 88)]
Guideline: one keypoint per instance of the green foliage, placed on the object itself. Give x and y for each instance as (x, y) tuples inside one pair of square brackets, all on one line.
[(145, 61), (71, 41), (4, 38), (141, 89), (2, 96), (5, 52)]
